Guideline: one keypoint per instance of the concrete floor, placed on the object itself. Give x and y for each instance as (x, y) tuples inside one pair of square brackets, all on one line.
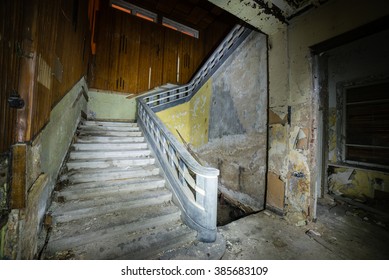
[(340, 232)]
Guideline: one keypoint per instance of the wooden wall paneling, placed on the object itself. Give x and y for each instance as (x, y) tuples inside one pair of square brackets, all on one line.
[(10, 37), (117, 53), (131, 27), (144, 57), (190, 54), (172, 41), (156, 55), (46, 36), (100, 66)]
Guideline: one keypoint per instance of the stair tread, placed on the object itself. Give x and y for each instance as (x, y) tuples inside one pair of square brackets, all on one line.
[(97, 210), (110, 123), (112, 183), (59, 208), (139, 245), (102, 231), (109, 139)]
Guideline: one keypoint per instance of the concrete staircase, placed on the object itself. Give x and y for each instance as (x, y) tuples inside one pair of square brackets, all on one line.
[(112, 202)]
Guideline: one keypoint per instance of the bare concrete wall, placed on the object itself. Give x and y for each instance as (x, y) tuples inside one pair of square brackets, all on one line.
[(238, 123), (291, 87), (45, 156)]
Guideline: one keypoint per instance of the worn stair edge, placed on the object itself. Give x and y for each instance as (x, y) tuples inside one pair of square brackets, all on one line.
[(108, 139), (111, 219), (110, 133), (96, 199), (83, 194), (70, 242), (159, 245), (108, 123), (138, 245), (108, 128), (108, 146), (119, 162), (108, 154), (108, 175), (109, 183), (63, 217)]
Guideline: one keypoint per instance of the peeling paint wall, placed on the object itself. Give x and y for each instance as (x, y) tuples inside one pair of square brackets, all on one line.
[(238, 123), (190, 119), (291, 158), (105, 105), (45, 156), (230, 111), (364, 60)]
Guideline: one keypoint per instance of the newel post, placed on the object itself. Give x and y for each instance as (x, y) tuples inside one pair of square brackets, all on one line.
[(209, 204)]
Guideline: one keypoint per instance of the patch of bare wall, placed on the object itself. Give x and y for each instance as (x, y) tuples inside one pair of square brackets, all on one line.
[(238, 123)]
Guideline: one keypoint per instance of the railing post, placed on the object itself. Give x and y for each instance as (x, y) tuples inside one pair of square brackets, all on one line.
[(209, 203)]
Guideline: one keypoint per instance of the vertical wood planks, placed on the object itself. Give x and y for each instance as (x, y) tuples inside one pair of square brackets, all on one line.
[(134, 55), (18, 187), (11, 17)]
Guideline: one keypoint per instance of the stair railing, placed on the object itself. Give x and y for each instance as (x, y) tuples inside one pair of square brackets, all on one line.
[(194, 186)]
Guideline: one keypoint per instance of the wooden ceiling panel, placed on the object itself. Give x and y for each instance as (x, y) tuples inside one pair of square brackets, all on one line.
[(198, 14)]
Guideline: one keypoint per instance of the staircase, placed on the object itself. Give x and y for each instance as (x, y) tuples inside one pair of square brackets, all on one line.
[(112, 202)]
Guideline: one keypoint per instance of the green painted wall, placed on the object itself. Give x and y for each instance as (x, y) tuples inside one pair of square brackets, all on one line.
[(110, 106)]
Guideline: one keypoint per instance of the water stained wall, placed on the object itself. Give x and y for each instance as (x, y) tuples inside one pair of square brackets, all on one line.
[(238, 123)]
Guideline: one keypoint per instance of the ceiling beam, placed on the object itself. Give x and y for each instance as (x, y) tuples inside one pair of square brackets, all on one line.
[(262, 14)]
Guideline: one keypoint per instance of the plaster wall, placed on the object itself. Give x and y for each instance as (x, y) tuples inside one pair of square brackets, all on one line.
[(291, 84), (238, 123), (108, 105), (226, 122)]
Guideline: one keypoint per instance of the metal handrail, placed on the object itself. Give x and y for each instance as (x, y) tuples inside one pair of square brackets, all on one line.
[(194, 186)]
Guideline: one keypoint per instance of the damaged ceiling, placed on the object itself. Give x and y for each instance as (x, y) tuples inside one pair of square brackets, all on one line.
[(267, 15), (198, 14)]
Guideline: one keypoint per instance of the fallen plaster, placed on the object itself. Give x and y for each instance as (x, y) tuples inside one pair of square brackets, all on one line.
[(357, 183)]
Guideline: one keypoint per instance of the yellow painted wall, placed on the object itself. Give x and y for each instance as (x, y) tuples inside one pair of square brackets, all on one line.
[(191, 119)]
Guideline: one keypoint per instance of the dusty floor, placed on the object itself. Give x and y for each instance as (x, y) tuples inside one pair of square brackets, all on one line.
[(340, 232)]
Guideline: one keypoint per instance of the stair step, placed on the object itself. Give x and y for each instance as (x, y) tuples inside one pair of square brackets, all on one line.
[(153, 245), (118, 162), (107, 128), (101, 123), (110, 133), (96, 200), (108, 147), (88, 193), (102, 154), (92, 175), (108, 139), (111, 183), (88, 236), (143, 245), (75, 213)]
